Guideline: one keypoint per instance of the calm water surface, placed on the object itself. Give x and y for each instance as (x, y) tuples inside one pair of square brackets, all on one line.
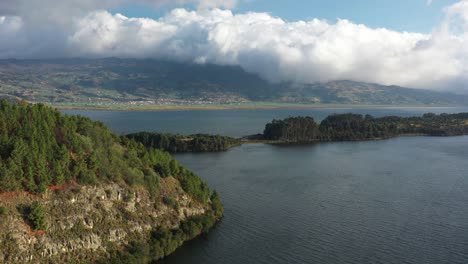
[(401, 200), (235, 123)]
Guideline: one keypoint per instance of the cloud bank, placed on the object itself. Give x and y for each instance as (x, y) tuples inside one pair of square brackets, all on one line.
[(277, 50)]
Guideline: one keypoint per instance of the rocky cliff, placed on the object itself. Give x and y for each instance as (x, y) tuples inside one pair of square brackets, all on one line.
[(86, 223)]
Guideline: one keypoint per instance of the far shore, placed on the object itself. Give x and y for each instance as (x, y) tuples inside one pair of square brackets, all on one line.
[(246, 106)]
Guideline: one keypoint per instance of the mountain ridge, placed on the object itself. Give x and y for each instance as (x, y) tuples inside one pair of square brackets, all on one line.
[(114, 81)]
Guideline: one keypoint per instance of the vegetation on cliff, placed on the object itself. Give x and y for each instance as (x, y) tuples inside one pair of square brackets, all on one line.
[(36, 215), (56, 166), (351, 127), (40, 147), (164, 241), (179, 143)]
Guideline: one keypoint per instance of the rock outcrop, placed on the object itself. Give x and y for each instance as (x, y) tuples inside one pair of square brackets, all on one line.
[(85, 223)]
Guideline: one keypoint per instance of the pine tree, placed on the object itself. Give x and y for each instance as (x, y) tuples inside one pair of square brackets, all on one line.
[(37, 216)]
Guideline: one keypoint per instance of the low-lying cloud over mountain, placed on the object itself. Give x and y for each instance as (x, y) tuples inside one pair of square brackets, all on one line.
[(277, 50)]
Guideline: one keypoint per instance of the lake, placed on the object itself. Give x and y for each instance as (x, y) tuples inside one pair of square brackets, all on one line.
[(402, 200), (236, 123)]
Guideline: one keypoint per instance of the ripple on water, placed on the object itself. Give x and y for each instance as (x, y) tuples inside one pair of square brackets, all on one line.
[(369, 203)]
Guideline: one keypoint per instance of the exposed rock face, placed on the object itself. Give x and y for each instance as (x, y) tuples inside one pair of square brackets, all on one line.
[(86, 222)]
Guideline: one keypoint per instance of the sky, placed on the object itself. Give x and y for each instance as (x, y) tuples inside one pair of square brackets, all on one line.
[(412, 43), (402, 15)]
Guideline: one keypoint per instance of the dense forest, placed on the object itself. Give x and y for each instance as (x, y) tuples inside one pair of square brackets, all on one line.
[(351, 127), (179, 143), (40, 147)]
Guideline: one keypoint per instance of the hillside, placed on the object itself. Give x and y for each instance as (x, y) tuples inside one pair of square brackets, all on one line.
[(349, 92), (71, 190), (131, 82)]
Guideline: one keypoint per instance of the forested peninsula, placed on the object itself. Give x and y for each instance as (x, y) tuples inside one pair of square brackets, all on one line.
[(73, 191), (180, 143), (355, 127), (304, 129)]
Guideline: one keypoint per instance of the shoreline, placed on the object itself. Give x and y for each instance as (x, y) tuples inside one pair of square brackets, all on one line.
[(259, 106), (281, 143), (292, 143)]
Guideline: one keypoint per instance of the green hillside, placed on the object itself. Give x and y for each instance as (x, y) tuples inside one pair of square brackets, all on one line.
[(40, 147), (78, 187), (108, 83)]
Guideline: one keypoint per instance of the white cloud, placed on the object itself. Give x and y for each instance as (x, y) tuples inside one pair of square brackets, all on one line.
[(303, 51)]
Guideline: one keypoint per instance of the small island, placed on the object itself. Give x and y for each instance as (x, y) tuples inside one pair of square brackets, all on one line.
[(355, 127)]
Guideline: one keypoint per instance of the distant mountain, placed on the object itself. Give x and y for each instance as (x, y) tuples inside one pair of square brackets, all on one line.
[(350, 92), (129, 81)]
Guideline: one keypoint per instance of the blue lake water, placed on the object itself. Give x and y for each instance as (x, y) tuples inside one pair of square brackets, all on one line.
[(402, 200), (231, 122)]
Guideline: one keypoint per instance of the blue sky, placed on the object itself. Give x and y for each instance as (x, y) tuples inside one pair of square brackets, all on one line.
[(401, 15)]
